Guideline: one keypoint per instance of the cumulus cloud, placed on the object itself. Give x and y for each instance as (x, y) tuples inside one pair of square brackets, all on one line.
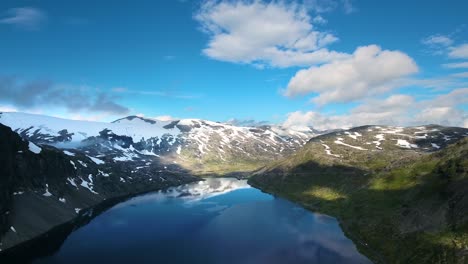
[(453, 98), (393, 110), (42, 93), (273, 34), (444, 115), (388, 111), (459, 52), (25, 17), (368, 71)]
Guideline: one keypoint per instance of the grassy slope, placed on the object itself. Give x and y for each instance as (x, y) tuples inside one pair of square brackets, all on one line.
[(398, 206)]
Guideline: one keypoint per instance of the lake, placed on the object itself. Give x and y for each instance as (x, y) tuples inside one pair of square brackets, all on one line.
[(214, 221)]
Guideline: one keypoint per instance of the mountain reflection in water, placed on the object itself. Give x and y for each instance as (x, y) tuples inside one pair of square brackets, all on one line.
[(219, 220)]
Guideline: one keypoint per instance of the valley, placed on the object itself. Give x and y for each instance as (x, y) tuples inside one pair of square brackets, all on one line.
[(58, 169), (400, 193)]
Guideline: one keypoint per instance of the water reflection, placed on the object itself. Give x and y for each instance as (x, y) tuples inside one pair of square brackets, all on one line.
[(214, 221)]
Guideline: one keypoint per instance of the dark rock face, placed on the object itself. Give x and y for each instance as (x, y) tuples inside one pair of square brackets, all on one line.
[(137, 117), (10, 144), (106, 136), (52, 187), (24, 170)]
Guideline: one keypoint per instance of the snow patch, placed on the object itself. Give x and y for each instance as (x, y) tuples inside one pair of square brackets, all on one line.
[(73, 163), (378, 142), (96, 160), (405, 144), (88, 185), (340, 142), (47, 193), (83, 164), (179, 148), (328, 151), (72, 182), (66, 152), (435, 146), (34, 148), (136, 128), (354, 135), (104, 174)]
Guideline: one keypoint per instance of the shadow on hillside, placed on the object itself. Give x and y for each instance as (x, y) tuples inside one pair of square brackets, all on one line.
[(389, 225)]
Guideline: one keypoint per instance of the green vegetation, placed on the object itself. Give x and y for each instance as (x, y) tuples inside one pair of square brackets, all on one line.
[(210, 164), (399, 206)]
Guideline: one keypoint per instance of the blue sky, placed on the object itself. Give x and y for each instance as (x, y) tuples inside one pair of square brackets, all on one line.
[(322, 63)]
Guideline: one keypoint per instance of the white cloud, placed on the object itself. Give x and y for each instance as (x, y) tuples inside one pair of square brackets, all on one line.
[(459, 52), (368, 71), (456, 65), (437, 40), (461, 75), (444, 115), (388, 105), (388, 111), (24, 17), (453, 98), (319, 20), (394, 110), (272, 34)]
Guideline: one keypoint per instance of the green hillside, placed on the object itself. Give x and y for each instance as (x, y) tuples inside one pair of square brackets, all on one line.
[(400, 204)]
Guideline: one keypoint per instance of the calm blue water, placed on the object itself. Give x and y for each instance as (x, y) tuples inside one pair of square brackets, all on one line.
[(215, 221)]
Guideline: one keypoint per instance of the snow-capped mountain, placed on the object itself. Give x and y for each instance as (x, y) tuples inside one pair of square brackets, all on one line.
[(199, 146)]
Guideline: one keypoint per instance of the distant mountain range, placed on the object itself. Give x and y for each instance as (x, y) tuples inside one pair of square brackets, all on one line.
[(200, 146)]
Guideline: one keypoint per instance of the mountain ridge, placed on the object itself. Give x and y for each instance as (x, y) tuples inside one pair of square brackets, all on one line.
[(200, 146)]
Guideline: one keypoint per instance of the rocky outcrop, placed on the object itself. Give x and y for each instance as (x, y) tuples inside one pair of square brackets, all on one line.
[(42, 187)]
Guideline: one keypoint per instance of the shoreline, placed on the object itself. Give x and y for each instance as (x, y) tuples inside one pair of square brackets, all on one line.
[(361, 246)]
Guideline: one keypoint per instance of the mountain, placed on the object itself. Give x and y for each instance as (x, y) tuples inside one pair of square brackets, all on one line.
[(400, 193), (55, 170), (199, 146), (42, 187)]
